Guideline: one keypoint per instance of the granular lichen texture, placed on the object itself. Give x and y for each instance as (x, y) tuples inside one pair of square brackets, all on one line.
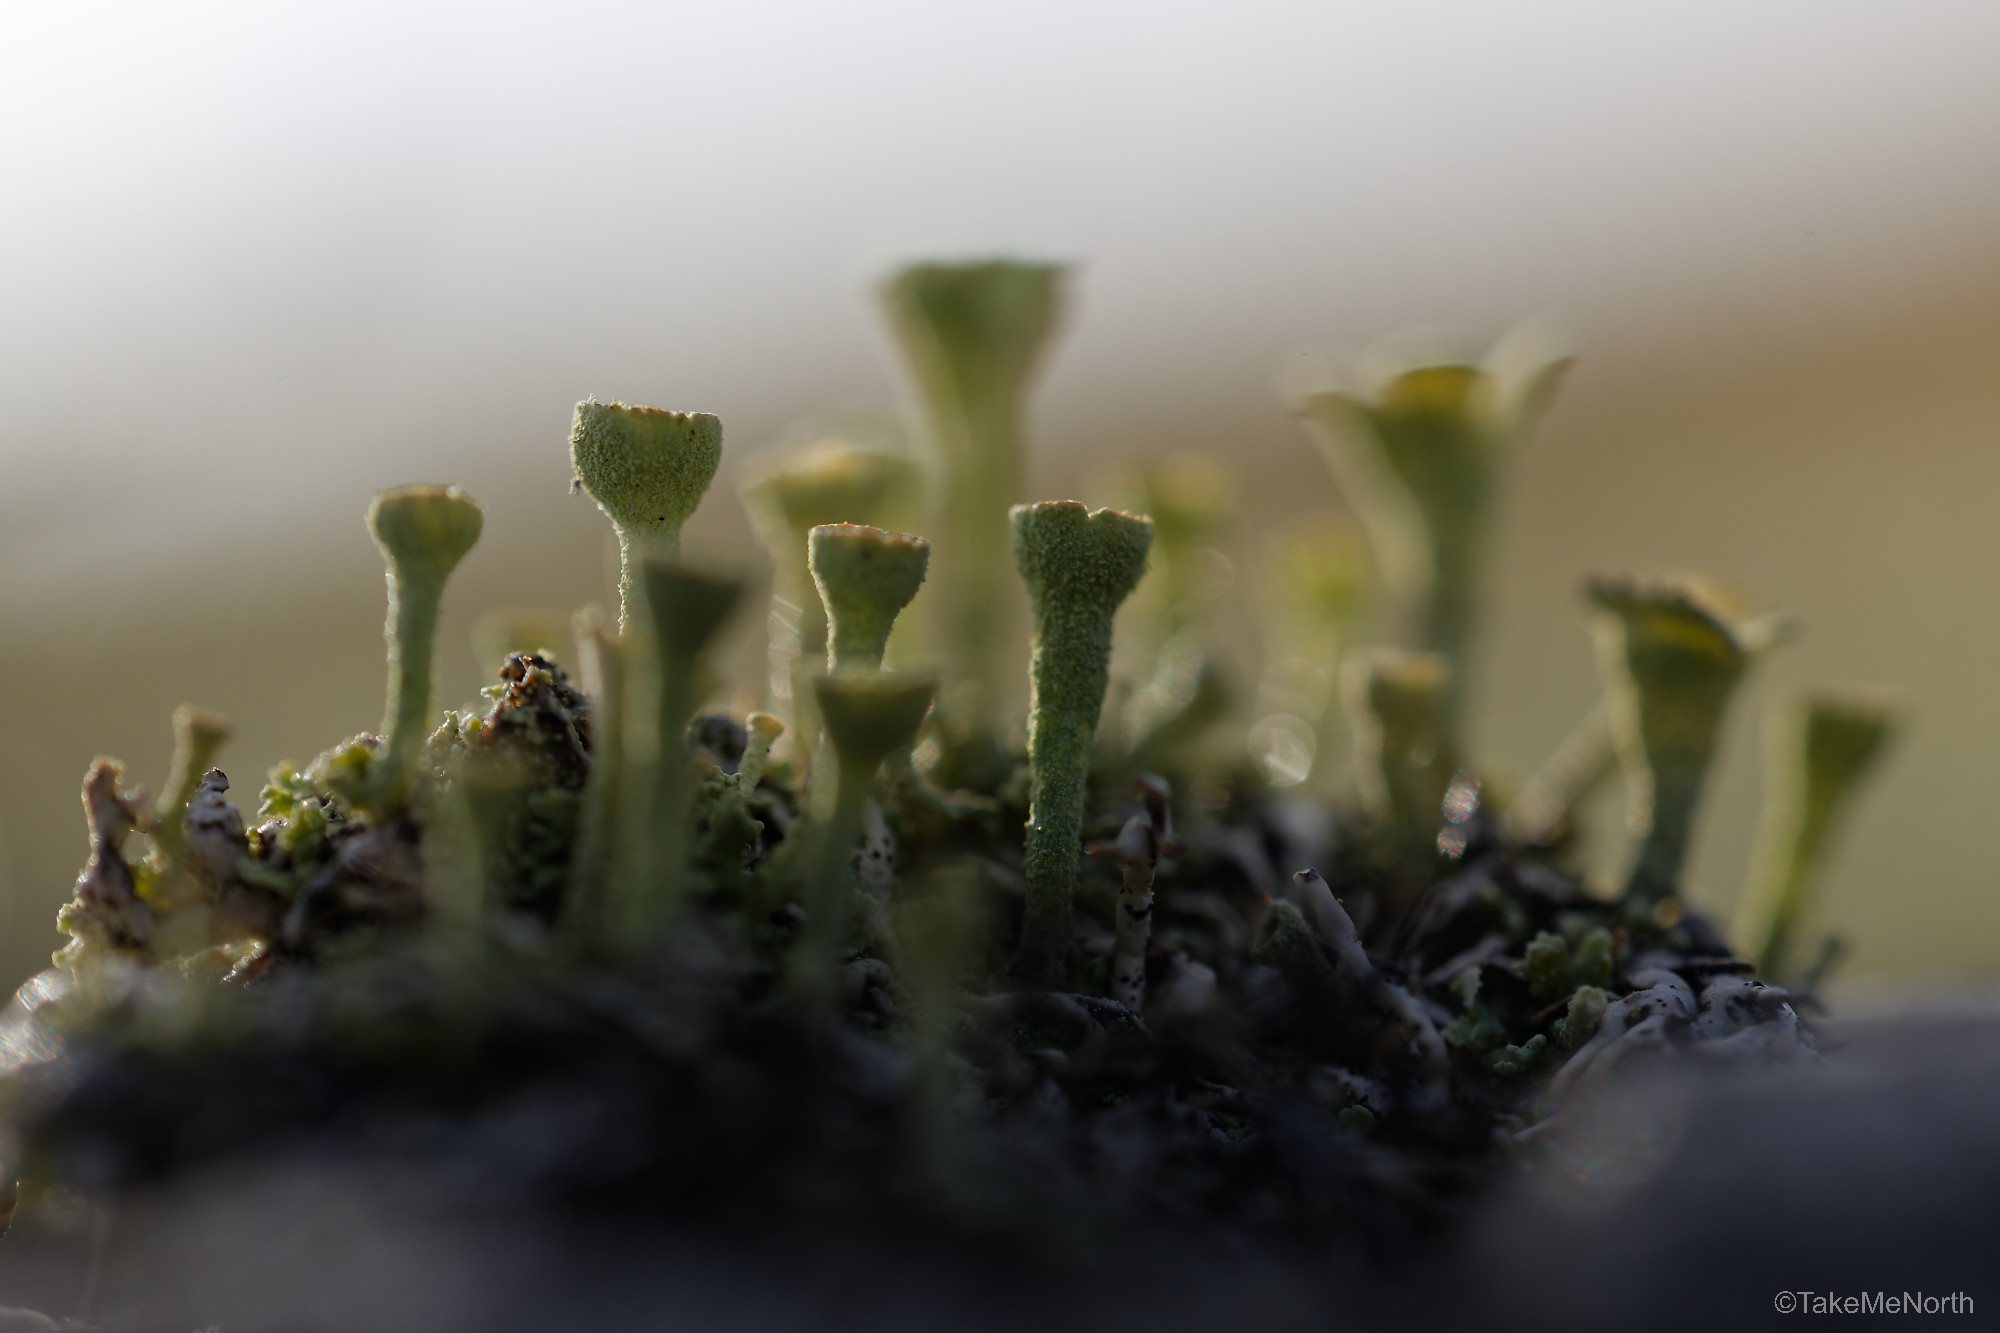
[(837, 946)]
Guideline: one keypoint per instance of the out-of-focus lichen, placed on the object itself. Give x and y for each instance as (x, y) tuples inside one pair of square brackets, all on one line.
[(974, 335), (1821, 748), (1421, 455), (1671, 652), (840, 987), (1398, 706)]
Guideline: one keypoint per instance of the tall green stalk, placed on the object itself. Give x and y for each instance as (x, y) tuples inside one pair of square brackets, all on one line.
[(869, 715), (423, 531), (974, 335), (1079, 565), (677, 613)]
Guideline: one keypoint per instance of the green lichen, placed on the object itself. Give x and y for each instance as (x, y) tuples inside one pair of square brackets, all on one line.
[(1821, 747), (424, 531), (1398, 704), (838, 986), (869, 715), (647, 469), (678, 612), (1079, 564), (974, 335), (865, 577), (1421, 456), (1671, 652)]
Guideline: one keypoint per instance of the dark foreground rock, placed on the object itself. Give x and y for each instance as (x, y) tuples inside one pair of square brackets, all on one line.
[(1690, 1200)]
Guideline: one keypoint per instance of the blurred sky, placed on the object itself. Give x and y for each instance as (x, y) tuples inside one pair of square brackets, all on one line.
[(259, 260)]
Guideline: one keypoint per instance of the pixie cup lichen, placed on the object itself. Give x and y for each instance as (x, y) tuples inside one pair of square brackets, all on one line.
[(869, 715), (1671, 652), (677, 615), (1429, 444), (865, 577), (1398, 706), (647, 469), (424, 531), (1079, 564), (1821, 747), (974, 335)]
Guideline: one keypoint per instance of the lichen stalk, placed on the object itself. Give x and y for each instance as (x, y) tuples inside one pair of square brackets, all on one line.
[(1672, 652), (1398, 705), (601, 664), (1079, 565), (869, 715), (1820, 750), (423, 532), (677, 613), (974, 335), (647, 469), (831, 481), (865, 577), (1426, 450)]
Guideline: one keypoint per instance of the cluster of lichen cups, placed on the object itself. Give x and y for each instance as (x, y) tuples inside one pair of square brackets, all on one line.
[(594, 834)]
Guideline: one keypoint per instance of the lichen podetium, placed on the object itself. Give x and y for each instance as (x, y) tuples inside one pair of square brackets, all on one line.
[(1080, 564), (647, 469), (975, 335)]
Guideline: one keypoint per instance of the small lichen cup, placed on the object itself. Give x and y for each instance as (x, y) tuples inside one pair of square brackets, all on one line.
[(1671, 651), (865, 577), (647, 469), (423, 532)]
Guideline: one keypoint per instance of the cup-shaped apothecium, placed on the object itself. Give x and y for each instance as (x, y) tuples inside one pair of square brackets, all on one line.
[(865, 577), (677, 612), (424, 531), (869, 715), (974, 335), (1421, 458), (1080, 564), (1398, 706), (1821, 747), (1671, 652), (647, 469)]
